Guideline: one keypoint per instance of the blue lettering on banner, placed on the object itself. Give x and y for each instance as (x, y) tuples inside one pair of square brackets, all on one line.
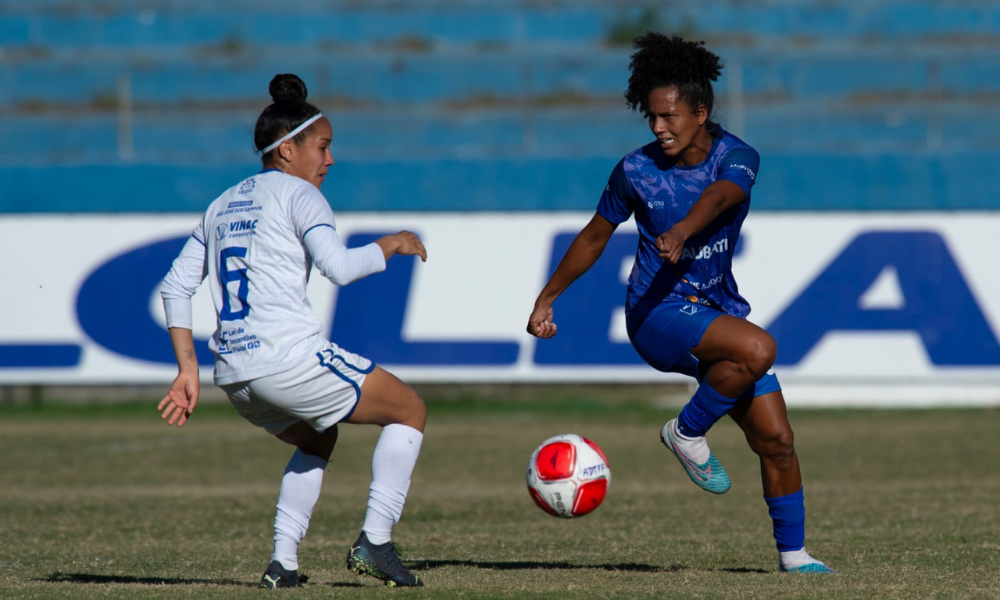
[(113, 304), (584, 310), (938, 306), (112, 308), (368, 320), (14, 356)]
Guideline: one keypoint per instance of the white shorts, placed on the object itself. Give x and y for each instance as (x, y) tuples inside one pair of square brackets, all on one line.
[(322, 390)]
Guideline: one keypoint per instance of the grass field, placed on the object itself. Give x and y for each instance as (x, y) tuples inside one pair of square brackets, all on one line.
[(106, 501)]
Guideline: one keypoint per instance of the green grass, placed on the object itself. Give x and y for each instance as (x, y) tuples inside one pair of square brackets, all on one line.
[(105, 501)]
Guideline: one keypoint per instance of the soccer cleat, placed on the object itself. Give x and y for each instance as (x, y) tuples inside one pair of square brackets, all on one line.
[(709, 475), (277, 576), (813, 567), (381, 562)]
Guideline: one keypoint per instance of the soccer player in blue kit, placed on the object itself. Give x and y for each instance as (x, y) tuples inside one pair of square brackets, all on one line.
[(690, 192)]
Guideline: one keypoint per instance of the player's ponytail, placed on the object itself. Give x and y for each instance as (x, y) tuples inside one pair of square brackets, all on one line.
[(287, 117)]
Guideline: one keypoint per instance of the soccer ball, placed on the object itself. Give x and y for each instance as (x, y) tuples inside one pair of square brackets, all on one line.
[(568, 476)]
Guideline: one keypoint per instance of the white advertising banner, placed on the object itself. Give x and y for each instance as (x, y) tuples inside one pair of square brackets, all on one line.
[(866, 308)]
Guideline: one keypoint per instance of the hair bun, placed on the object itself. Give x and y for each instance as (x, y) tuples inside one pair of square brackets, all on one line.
[(287, 87)]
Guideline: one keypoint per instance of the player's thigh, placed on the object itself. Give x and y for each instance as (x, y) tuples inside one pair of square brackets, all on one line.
[(665, 337), (321, 389), (735, 339), (385, 400), (308, 440)]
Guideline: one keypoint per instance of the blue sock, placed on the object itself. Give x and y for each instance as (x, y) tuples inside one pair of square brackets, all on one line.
[(789, 516), (705, 408)]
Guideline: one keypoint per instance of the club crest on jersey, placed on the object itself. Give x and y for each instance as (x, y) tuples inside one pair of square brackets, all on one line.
[(690, 309), (247, 186)]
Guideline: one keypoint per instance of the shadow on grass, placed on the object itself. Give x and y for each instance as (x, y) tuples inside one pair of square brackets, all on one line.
[(742, 570), (91, 578), (99, 579), (423, 565)]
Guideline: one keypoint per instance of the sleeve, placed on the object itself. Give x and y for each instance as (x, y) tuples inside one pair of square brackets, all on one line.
[(307, 209), (740, 166), (182, 281), (316, 227), (337, 262), (615, 204)]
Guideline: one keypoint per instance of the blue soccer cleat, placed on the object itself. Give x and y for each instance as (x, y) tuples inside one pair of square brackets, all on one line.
[(813, 567), (709, 475)]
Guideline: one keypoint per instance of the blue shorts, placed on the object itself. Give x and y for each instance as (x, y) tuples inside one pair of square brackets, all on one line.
[(665, 337)]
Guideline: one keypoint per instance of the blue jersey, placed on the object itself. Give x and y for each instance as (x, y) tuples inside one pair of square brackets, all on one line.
[(660, 193)]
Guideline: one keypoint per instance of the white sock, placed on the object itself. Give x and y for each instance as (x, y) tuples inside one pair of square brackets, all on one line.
[(392, 465), (796, 558), (695, 448), (300, 489)]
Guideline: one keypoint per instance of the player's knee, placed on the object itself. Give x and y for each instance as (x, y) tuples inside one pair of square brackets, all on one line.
[(416, 410), (761, 356), (310, 441), (777, 446), (420, 408)]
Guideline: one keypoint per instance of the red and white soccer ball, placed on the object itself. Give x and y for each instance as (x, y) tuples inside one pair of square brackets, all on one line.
[(568, 476)]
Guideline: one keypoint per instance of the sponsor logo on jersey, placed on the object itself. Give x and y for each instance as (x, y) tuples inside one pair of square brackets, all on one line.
[(243, 228), (245, 207), (706, 252), (747, 170), (238, 203), (236, 340), (708, 284), (223, 342), (655, 204), (236, 229), (243, 225)]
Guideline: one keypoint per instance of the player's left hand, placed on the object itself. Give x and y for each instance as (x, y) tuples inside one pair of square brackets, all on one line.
[(671, 245), (181, 400)]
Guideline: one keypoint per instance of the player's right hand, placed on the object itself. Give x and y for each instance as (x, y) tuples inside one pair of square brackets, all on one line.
[(180, 401), (540, 322)]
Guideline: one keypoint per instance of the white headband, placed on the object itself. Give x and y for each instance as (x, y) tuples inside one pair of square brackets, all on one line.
[(293, 132)]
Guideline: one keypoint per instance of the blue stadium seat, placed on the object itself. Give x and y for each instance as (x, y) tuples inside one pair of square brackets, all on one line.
[(464, 85)]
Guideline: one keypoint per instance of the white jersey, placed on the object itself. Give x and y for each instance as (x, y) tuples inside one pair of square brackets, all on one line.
[(253, 246)]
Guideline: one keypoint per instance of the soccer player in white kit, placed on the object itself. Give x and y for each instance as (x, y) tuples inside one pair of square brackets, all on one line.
[(257, 243)]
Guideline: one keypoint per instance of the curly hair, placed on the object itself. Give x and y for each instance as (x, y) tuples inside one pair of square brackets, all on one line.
[(662, 61)]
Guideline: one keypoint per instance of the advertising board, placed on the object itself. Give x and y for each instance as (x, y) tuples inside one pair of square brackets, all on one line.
[(886, 308)]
